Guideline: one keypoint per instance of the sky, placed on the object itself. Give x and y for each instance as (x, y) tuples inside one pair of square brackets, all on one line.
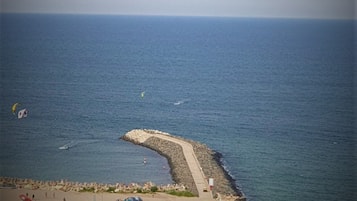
[(331, 9)]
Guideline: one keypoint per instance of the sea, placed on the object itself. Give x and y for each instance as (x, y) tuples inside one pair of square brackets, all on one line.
[(275, 97)]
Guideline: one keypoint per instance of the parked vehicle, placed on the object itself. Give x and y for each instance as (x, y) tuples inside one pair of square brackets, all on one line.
[(133, 199)]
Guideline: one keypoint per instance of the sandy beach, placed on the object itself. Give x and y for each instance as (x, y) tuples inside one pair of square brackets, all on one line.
[(57, 195)]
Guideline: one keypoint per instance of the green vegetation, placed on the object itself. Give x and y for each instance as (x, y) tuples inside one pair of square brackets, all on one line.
[(91, 189), (154, 189), (111, 189), (180, 193)]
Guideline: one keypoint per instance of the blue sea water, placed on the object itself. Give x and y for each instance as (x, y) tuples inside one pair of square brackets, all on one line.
[(274, 96)]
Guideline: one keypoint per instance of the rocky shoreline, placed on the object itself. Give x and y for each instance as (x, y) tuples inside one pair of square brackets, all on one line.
[(212, 165), (70, 186), (209, 160)]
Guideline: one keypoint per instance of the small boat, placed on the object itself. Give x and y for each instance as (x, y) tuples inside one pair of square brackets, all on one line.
[(178, 102), (67, 146), (64, 147)]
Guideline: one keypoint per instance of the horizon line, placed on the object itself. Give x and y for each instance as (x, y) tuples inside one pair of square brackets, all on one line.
[(178, 15)]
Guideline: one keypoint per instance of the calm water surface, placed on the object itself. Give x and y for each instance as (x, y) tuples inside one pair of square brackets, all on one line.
[(274, 96)]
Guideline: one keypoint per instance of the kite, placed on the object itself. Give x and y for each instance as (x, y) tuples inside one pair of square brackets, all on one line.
[(13, 108), (142, 94), (22, 113)]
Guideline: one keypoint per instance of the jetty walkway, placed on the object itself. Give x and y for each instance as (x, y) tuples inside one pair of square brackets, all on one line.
[(140, 136)]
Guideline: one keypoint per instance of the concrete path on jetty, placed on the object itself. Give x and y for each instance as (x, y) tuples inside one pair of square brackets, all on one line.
[(140, 136)]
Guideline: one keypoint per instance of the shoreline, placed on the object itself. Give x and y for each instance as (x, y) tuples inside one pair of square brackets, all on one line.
[(71, 186), (218, 157), (209, 162), (57, 195)]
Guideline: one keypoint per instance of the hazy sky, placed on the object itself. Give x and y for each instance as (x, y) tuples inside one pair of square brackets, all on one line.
[(241, 8)]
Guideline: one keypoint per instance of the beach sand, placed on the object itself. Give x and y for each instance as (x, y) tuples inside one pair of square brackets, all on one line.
[(56, 195)]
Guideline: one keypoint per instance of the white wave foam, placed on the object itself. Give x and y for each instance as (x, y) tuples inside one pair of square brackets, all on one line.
[(181, 101)]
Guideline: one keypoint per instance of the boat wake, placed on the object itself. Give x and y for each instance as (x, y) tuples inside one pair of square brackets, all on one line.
[(68, 145), (181, 101)]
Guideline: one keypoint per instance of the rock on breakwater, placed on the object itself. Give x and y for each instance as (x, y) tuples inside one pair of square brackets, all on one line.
[(178, 165), (208, 159), (212, 166), (173, 152)]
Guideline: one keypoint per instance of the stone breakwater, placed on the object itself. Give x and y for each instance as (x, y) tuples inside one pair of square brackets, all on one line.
[(210, 162), (180, 171)]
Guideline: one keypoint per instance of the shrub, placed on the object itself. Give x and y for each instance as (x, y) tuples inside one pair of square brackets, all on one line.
[(111, 190), (181, 193), (154, 189), (91, 189)]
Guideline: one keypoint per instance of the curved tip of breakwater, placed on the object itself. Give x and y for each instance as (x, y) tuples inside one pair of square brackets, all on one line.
[(210, 161)]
